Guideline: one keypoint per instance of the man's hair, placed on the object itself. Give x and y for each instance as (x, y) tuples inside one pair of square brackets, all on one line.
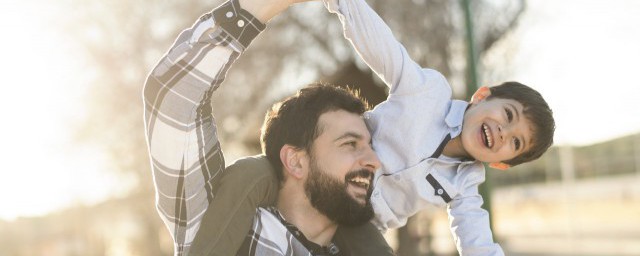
[(537, 111), (294, 121)]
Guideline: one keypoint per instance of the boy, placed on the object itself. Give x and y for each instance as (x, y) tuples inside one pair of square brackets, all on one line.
[(432, 148)]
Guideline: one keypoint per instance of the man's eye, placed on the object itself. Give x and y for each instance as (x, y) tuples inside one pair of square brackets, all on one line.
[(509, 114), (516, 141), (350, 144)]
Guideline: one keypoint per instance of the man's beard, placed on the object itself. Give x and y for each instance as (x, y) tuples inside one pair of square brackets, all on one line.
[(330, 197)]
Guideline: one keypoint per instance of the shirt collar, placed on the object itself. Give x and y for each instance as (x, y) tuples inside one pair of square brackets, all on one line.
[(313, 248), (455, 116)]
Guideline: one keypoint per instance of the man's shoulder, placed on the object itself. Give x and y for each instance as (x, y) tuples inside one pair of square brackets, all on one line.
[(255, 174), (256, 162)]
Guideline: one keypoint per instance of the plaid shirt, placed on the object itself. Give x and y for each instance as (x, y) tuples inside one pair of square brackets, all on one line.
[(271, 234), (181, 134)]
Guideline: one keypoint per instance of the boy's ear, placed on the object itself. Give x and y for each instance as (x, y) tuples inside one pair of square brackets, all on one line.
[(480, 94), (293, 160), (500, 166)]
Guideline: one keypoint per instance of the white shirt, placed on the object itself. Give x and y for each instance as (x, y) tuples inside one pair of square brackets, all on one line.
[(407, 129)]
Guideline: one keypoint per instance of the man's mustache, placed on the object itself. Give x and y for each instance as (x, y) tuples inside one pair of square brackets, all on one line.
[(364, 173)]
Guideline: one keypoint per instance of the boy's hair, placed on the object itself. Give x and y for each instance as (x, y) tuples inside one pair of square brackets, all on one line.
[(294, 121), (537, 111)]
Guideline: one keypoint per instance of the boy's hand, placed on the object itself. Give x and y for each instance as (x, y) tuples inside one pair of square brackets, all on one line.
[(264, 10)]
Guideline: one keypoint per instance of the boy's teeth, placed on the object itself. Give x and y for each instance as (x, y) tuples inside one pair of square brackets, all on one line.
[(485, 128)]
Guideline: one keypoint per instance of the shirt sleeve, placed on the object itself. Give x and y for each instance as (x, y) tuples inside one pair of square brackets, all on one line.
[(376, 45), (181, 133), (470, 224)]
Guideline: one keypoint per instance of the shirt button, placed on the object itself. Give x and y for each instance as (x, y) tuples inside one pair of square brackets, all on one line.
[(376, 194), (241, 23), (440, 191), (229, 14), (333, 249)]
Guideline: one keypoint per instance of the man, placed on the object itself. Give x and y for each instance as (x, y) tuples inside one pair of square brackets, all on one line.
[(317, 139)]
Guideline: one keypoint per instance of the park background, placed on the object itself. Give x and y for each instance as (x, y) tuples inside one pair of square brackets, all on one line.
[(76, 177)]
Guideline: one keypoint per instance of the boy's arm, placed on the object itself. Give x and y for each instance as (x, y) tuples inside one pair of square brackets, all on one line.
[(181, 134), (376, 45), (469, 223)]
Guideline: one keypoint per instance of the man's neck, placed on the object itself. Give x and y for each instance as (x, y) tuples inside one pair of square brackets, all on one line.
[(297, 210)]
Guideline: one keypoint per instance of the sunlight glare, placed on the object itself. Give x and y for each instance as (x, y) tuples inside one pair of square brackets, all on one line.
[(44, 169)]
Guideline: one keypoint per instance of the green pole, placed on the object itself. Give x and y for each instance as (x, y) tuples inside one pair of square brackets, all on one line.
[(472, 73), (472, 86)]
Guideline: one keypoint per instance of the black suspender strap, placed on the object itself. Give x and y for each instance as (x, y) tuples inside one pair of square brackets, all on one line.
[(439, 190), (444, 142)]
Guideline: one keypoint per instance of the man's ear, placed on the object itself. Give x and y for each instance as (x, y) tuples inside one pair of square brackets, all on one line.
[(500, 166), (293, 160), (480, 94)]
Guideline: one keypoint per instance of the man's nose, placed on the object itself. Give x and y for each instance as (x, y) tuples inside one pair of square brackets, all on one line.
[(370, 160)]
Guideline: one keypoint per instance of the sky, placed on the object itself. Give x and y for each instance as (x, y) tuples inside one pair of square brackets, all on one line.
[(581, 54)]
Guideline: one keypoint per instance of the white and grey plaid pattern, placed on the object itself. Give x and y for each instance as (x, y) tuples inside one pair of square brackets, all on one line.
[(271, 235), (181, 132)]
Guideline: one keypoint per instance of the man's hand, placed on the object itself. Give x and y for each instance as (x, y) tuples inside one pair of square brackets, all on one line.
[(264, 10)]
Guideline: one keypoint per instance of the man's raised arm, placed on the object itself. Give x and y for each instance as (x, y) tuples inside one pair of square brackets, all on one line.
[(185, 153)]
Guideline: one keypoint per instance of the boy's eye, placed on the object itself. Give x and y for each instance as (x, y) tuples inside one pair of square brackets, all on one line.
[(509, 114), (516, 141)]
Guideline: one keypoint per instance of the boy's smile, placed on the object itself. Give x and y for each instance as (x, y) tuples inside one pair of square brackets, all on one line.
[(487, 138), (494, 130)]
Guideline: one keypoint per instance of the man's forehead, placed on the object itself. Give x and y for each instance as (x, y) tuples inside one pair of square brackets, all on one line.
[(341, 123)]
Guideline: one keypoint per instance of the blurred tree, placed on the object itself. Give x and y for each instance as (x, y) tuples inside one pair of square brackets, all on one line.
[(123, 39)]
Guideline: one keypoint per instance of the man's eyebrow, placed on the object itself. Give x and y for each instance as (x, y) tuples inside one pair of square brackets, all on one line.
[(349, 135)]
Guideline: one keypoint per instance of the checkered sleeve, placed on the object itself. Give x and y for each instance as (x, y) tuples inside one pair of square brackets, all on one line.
[(181, 133)]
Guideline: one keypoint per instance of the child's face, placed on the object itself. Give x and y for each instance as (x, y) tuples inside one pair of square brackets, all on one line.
[(495, 130)]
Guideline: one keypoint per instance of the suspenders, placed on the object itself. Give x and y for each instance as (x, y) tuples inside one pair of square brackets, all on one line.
[(439, 190)]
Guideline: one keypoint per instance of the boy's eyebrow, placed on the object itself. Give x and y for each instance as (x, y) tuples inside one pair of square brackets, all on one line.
[(515, 110), (517, 114)]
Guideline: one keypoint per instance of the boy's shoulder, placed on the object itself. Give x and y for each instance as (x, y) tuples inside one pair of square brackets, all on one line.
[(472, 171)]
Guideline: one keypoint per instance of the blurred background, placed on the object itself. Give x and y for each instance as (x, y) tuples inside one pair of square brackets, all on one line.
[(76, 178)]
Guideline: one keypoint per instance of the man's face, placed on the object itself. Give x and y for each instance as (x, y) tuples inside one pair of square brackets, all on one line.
[(341, 168), (495, 130)]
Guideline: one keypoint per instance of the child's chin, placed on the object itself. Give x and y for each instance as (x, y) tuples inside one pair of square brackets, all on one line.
[(479, 157)]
